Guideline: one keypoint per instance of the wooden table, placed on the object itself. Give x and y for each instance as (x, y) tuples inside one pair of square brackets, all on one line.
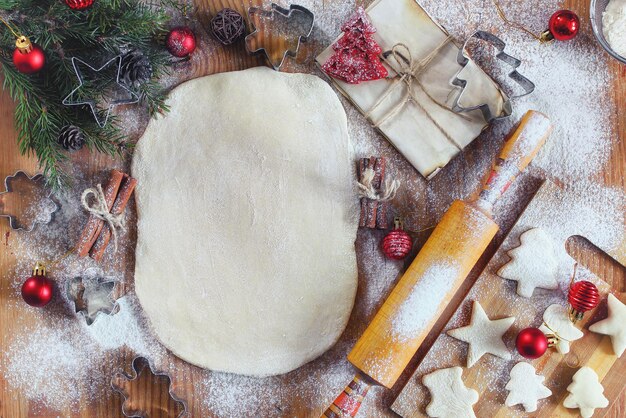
[(453, 181)]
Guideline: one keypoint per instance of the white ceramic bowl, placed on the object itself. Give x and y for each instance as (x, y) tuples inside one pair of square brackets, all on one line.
[(595, 15)]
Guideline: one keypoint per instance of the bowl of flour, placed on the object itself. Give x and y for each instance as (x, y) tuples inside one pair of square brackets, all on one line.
[(608, 20)]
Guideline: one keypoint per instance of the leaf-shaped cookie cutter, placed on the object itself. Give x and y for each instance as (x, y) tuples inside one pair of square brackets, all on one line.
[(138, 364), (462, 58), (287, 13), (21, 222)]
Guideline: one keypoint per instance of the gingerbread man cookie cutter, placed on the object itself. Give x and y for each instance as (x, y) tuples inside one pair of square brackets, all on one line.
[(277, 50)]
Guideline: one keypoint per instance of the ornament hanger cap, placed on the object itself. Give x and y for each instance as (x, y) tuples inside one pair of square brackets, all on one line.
[(39, 269), (23, 44), (546, 36)]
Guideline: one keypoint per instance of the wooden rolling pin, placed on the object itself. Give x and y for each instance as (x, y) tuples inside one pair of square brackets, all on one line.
[(432, 279)]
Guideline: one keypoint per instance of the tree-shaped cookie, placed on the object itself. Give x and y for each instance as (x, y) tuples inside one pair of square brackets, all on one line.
[(449, 396), (356, 52), (483, 335), (533, 264), (525, 387), (556, 322), (614, 325), (585, 393)]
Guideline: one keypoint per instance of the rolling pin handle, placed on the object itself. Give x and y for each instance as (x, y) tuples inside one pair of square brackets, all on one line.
[(349, 401), (519, 150)]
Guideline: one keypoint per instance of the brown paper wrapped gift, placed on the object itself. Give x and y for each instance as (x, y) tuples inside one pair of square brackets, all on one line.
[(412, 107)]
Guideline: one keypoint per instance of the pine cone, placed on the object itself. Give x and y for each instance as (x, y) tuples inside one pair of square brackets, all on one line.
[(135, 68), (71, 138)]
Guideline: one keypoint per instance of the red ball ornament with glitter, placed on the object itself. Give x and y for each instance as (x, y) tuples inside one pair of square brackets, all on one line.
[(397, 244), (531, 343), (180, 41), (28, 58), (563, 26), (37, 290), (583, 296), (78, 4)]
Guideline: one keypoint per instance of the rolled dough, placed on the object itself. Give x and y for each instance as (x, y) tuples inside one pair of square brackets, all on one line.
[(245, 258)]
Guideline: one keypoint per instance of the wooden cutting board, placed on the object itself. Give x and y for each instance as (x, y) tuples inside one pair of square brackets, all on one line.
[(549, 210)]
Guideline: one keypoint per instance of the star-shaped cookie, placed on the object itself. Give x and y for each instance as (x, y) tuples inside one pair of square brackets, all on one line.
[(483, 335), (614, 325)]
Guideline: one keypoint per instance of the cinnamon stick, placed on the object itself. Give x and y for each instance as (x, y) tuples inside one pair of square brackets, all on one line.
[(373, 213), (126, 190), (95, 225)]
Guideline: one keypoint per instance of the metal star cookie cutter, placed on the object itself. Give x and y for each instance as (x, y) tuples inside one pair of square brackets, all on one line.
[(296, 15), (121, 379), (462, 58), (92, 298), (26, 201), (68, 100)]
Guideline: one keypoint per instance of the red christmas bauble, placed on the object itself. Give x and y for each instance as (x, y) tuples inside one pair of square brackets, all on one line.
[(180, 41), (78, 4), (583, 296), (564, 25), (397, 244), (531, 343), (29, 60), (37, 290)]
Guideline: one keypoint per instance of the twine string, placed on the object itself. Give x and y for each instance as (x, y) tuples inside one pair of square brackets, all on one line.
[(514, 24), (13, 31), (556, 334), (100, 210), (408, 72), (366, 187)]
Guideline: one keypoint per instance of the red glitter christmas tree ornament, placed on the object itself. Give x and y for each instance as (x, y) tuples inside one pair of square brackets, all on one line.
[(78, 4), (531, 343), (356, 52), (37, 290), (397, 244), (562, 26), (181, 41)]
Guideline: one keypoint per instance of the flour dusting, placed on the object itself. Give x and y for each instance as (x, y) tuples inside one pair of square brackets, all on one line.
[(573, 89), (424, 301)]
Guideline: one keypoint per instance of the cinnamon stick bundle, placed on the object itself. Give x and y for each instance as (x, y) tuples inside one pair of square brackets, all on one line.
[(94, 225), (126, 191), (373, 212)]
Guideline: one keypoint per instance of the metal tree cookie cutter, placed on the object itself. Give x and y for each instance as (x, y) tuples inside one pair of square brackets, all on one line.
[(26, 201), (92, 298), (462, 58), (278, 48), (122, 381)]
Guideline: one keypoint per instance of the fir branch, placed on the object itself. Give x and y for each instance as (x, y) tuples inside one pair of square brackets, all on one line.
[(108, 28)]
